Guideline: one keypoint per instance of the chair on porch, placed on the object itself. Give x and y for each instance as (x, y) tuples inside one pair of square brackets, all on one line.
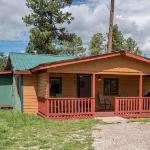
[(106, 103)]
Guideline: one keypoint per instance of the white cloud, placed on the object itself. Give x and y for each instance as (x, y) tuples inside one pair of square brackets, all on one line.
[(132, 16), (88, 20), (11, 25)]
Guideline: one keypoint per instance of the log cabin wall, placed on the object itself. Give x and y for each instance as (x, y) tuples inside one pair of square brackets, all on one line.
[(69, 84), (43, 79), (30, 87)]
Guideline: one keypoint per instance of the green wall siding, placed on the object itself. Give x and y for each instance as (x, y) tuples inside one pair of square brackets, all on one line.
[(11, 91), (6, 90)]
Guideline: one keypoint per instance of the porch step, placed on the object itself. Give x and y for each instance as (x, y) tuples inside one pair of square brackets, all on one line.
[(104, 114)]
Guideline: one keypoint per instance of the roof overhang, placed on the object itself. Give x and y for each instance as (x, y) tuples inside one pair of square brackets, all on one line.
[(88, 59), (22, 72), (17, 72), (5, 72)]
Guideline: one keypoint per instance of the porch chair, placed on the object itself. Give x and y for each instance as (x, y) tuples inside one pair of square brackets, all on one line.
[(104, 102)]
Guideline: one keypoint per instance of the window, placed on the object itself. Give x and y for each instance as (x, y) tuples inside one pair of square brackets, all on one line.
[(56, 86), (111, 87)]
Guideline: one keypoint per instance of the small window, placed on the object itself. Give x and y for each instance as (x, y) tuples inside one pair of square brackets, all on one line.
[(56, 86), (111, 87)]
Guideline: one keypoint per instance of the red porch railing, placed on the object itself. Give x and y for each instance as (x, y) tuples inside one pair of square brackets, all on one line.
[(42, 106), (132, 106), (66, 107)]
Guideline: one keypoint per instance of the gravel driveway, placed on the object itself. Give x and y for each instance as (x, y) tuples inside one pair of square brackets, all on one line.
[(121, 136)]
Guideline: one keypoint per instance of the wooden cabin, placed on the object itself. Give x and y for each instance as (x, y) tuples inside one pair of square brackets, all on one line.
[(114, 84)]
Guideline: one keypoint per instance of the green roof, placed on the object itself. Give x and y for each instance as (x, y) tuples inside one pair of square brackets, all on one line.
[(24, 61)]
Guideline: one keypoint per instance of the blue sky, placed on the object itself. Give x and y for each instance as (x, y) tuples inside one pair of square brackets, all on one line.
[(20, 42), (13, 46), (91, 16)]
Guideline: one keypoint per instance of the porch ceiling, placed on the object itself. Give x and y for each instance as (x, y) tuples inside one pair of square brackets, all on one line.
[(121, 71)]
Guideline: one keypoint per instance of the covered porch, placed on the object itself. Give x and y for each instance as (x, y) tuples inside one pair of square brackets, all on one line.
[(81, 88), (77, 95)]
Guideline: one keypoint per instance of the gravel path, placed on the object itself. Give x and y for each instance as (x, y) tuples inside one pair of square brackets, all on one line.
[(121, 136)]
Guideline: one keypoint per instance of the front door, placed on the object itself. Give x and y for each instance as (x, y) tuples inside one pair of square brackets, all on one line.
[(84, 85)]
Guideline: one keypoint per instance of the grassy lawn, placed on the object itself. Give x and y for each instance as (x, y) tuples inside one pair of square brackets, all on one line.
[(144, 120), (22, 131)]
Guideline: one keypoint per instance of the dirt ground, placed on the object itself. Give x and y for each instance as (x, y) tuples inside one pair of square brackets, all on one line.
[(121, 135)]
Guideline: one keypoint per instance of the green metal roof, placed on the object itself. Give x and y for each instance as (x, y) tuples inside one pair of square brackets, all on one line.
[(24, 61)]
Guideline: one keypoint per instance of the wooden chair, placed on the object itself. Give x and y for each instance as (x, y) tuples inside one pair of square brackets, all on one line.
[(104, 102)]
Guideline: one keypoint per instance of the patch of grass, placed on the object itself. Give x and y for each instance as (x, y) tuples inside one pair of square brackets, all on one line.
[(22, 131), (143, 120)]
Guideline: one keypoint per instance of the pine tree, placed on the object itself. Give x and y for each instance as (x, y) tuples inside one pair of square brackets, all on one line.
[(118, 39), (47, 19), (74, 46), (97, 44), (131, 45), (3, 61)]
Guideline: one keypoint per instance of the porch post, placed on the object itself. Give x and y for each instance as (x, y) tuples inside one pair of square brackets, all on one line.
[(48, 86), (141, 86), (140, 93), (48, 96), (93, 91)]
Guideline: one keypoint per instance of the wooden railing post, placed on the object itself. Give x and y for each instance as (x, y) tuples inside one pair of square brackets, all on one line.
[(116, 105), (47, 108), (140, 104)]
